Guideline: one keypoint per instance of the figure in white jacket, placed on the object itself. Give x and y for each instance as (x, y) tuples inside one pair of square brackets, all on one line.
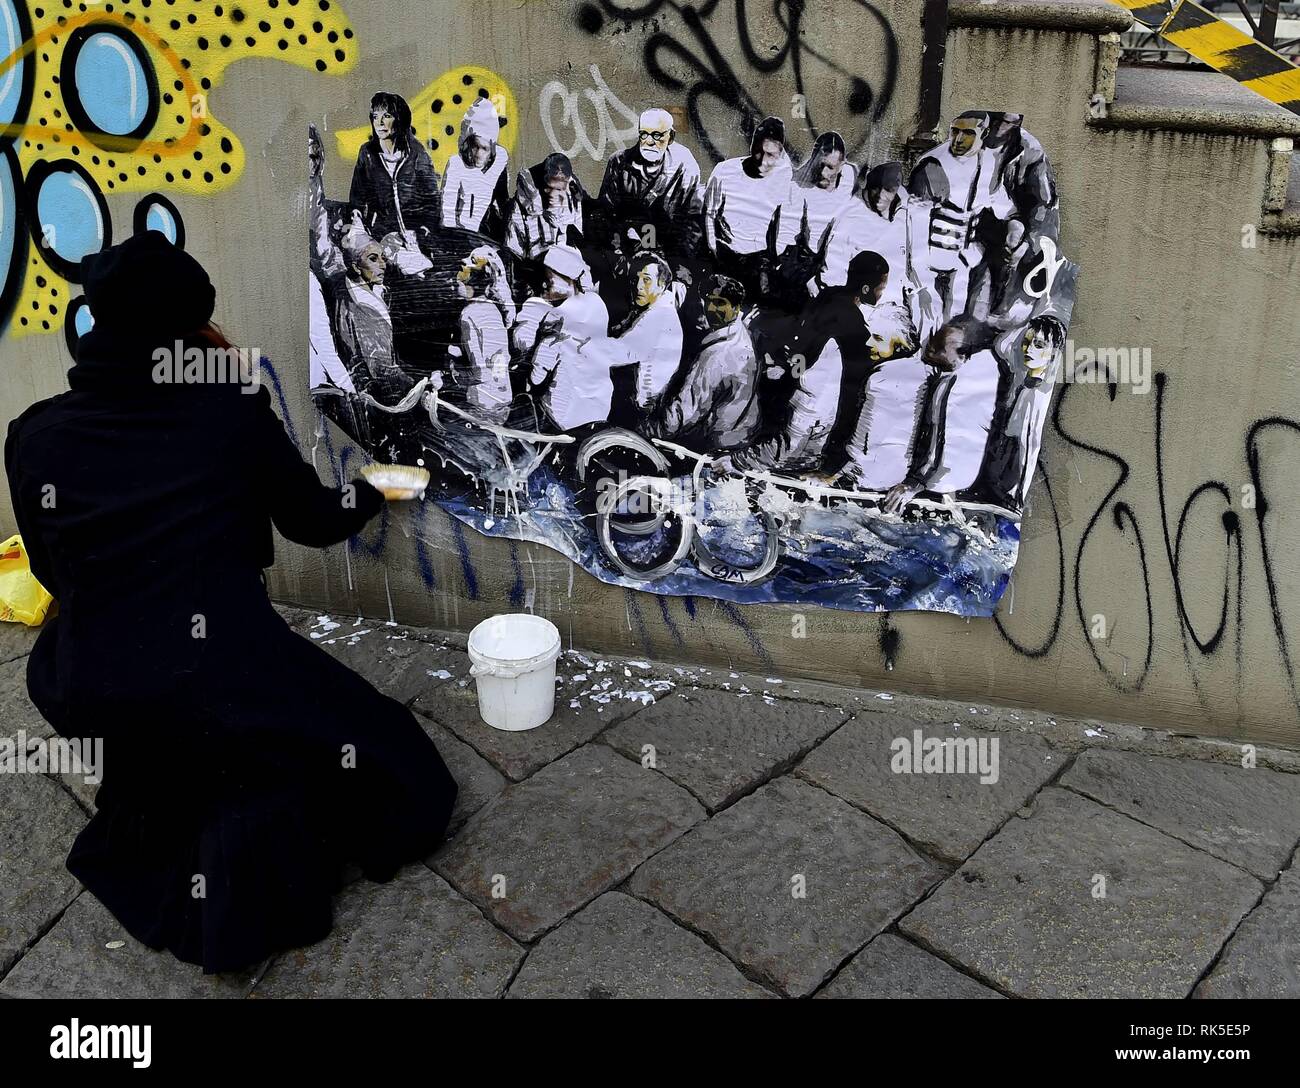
[(744, 193), (821, 191), (876, 220), (566, 335), (949, 190), (481, 363), (717, 409), (651, 336), (476, 182)]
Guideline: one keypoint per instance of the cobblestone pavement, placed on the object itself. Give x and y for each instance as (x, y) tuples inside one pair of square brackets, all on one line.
[(691, 831)]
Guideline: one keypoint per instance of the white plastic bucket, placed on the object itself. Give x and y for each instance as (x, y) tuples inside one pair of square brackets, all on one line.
[(514, 663)]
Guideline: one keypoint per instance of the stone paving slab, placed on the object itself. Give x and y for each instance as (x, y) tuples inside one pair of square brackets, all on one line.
[(947, 815), (16, 640), (719, 746), (16, 710), (1263, 957), (520, 754), (771, 684), (89, 955), (890, 968), (1022, 913), (1074, 734), (395, 662), (572, 831), (299, 619), (734, 880), (620, 947), (75, 784), (18, 715), (1248, 817), (477, 779), (38, 822), (413, 937)]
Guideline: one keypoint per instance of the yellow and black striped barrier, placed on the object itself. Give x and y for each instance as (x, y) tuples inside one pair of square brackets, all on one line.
[(1223, 47)]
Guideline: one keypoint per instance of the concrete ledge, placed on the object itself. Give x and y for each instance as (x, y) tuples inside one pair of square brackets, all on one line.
[(1174, 100), (1096, 16), (1283, 224)]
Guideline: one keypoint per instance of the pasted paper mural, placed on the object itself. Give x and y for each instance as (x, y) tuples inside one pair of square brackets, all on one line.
[(786, 378)]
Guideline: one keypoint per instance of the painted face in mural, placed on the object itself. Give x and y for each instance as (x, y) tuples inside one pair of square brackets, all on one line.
[(966, 134), (766, 157), (477, 152), (881, 200), (1040, 352), (653, 144), (719, 311), (384, 123), (943, 351), (558, 287), (474, 277), (831, 166), (649, 285), (1008, 126), (371, 263), (557, 192), (654, 136)]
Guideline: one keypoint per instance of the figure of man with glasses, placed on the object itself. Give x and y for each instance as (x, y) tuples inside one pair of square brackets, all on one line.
[(650, 199)]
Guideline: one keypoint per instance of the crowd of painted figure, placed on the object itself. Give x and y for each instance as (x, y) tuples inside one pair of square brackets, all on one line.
[(892, 330)]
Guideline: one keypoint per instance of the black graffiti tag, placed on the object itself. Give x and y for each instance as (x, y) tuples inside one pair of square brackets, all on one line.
[(712, 76), (1173, 533)]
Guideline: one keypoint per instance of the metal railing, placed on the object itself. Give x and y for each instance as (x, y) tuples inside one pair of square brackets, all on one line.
[(1274, 23), (1265, 30)]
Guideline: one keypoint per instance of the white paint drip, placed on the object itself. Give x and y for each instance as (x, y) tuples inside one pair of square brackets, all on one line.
[(389, 594), (353, 637), (326, 624)]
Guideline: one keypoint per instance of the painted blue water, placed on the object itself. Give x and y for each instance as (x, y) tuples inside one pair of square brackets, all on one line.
[(839, 557)]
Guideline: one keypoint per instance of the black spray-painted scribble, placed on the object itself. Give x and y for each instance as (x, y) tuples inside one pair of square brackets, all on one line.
[(712, 75), (1177, 522)]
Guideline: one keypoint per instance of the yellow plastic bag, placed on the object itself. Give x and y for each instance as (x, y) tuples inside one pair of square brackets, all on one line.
[(22, 598)]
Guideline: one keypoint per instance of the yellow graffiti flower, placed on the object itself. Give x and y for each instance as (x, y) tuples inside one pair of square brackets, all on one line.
[(119, 102)]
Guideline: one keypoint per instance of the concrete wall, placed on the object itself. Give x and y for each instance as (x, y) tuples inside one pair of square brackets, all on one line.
[(1155, 218)]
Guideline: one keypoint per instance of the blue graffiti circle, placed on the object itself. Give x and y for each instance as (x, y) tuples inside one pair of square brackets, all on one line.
[(69, 215), (16, 80), (109, 85), (13, 239), (156, 212), (78, 322)]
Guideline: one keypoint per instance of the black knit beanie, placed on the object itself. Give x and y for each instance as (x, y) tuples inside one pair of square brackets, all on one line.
[(147, 285)]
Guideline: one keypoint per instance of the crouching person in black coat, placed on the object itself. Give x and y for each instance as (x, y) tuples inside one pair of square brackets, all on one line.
[(243, 768)]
